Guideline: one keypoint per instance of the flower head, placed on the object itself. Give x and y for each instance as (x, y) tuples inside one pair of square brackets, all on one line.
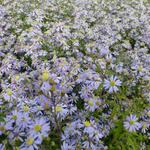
[(40, 128), (30, 143), (112, 84), (131, 123)]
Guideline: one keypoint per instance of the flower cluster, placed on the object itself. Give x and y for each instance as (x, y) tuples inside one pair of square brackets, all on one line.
[(74, 74)]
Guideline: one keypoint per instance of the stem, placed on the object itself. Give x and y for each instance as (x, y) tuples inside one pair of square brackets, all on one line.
[(58, 128)]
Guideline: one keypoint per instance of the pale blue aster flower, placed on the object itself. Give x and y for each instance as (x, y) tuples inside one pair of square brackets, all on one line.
[(31, 143), (85, 92), (23, 120), (39, 128), (131, 123), (9, 95), (145, 126), (91, 104), (112, 84), (61, 110), (88, 128)]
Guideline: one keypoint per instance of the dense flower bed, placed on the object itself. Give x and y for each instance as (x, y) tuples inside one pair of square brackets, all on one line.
[(74, 74)]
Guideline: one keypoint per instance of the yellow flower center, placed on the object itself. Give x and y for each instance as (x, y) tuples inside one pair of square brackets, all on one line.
[(144, 125), (45, 76), (26, 108), (90, 103), (14, 117), (17, 77), (51, 81), (140, 68), (112, 83), (58, 108), (2, 128), (53, 88), (37, 128), (132, 122), (148, 113), (87, 123), (9, 92), (30, 141)]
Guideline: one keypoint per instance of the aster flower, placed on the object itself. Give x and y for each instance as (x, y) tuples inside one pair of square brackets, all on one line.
[(131, 123), (85, 92), (50, 61), (91, 104), (39, 128), (89, 128), (23, 120), (61, 110), (13, 116), (112, 84), (9, 95), (31, 143), (144, 126)]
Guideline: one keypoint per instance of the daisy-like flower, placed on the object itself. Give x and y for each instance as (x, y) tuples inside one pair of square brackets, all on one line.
[(144, 126), (40, 128), (61, 110), (112, 84), (88, 128), (91, 104), (23, 120), (31, 143), (9, 95), (131, 123), (13, 116)]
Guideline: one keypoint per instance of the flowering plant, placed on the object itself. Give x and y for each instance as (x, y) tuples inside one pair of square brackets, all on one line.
[(74, 74)]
